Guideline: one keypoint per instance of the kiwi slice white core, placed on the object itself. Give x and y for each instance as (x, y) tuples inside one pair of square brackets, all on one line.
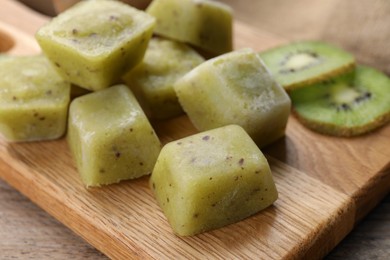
[(299, 61), (346, 95)]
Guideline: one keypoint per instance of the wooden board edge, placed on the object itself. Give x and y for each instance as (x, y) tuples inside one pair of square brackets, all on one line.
[(371, 194), (322, 240)]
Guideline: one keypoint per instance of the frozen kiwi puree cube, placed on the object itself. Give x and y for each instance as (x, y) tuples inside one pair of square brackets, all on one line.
[(205, 24), (152, 80), (110, 137), (95, 42), (34, 99), (212, 179), (235, 88), (3, 56)]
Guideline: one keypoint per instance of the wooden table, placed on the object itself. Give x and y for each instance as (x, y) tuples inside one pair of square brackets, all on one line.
[(26, 231)]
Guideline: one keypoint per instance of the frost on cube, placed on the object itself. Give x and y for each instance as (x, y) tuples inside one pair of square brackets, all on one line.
[(94, 43), (205, 24), (152, 80), (212, 179), (235, 88), (34, 99), (110, 137)]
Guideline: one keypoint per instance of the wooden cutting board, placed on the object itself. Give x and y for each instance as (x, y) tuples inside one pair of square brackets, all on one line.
[(325, 184)]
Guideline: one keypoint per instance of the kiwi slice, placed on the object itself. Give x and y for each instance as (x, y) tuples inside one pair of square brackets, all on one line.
[(302, 63), (349, 105)]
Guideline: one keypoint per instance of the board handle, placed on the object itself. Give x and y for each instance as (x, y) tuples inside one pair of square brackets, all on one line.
[(16, 42), (16, 34)]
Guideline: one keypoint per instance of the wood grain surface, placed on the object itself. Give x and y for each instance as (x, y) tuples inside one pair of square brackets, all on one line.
[(326, 185)]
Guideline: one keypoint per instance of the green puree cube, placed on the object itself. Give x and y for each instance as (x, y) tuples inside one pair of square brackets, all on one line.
[(152, 81), (212, 179), (3, 56), (110, 137), (34, 99), (95, 42), (235, 88), (205, 24)]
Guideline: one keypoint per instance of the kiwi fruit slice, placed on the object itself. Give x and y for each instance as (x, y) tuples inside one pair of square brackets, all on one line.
[(302, 63), (348, 105)]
